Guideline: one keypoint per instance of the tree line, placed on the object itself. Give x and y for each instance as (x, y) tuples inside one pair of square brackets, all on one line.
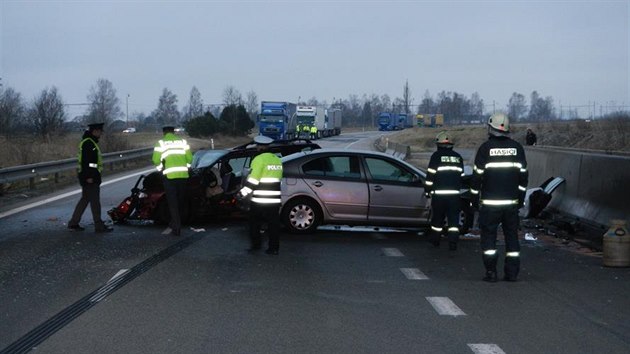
[(236, 115)]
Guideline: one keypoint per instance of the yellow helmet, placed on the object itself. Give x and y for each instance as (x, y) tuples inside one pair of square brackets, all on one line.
[(443, 137), (499, 122)]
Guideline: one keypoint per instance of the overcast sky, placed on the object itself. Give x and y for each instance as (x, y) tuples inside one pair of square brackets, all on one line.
[(575, 51)]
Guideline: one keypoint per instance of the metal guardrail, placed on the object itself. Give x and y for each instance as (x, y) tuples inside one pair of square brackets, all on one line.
[(18, 173)]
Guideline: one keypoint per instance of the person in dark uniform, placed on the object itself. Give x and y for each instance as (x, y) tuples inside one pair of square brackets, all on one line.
[(90, 168), (263, 186), (530, 137), (499, 184), (172, 157), (442, 185)]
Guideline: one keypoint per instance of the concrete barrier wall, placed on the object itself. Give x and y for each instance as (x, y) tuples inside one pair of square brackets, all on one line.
[(597, 187)]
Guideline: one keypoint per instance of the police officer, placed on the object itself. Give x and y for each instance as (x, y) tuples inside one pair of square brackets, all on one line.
[(263, 186), (499, 183), (443, 184), (90, 168), (313, 132), (172, 157)]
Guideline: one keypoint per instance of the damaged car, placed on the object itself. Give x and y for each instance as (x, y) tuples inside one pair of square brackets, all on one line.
[(215, 178)]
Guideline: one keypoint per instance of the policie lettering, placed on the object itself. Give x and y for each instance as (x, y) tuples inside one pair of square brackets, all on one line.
[(503, 152)]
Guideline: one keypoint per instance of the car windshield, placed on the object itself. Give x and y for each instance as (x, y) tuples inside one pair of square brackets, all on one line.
[(207, 158)]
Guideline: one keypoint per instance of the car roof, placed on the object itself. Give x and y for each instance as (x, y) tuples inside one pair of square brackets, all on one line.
[(278, 143), (338, 151)]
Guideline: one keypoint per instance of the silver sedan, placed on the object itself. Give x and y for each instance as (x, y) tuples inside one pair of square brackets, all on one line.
[(337, 186)]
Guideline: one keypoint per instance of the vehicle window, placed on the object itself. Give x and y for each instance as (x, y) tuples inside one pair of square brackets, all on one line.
[(385, 170), (334, 166), (238, 164)]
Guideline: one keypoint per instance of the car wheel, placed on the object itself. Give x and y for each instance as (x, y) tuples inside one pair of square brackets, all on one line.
[(301, 216), (162, 216)]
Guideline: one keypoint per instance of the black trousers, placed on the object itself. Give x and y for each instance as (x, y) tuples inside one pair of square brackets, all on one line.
[(90, 194), (445, 206), (260, 215), (176, 196), (489, 219)]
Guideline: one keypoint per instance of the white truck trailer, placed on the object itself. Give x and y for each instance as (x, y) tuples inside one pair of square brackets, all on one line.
[(333, 121)]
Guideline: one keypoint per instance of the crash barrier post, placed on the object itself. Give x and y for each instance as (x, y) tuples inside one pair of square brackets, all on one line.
[(617, 245), (596, 187)]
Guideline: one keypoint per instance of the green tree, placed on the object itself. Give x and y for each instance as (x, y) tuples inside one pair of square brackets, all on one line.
[(236, 120), (203, 126)]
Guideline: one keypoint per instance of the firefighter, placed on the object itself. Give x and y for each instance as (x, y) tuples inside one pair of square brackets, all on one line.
[(263, 187), (443, 184), (172, 157), (499, 185), (313, 132), (90, 168)]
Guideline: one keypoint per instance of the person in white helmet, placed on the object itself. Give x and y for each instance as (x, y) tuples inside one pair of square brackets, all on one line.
[(443, 184), (499, 184)]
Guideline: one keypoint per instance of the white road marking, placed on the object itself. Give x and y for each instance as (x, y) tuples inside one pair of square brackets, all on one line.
[(392, 252), (413, 274), (120, 272), (486, 349), (445, 307), (65, 195)]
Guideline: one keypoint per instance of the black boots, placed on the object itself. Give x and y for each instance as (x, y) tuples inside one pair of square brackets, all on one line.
[(491, 276)]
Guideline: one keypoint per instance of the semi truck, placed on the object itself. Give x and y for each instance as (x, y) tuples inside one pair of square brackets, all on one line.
[(277, 119), (389, 121), (432, 120), (333, 121), (308, 117)]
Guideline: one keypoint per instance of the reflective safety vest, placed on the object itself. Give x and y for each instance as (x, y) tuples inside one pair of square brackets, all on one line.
[(297, 128), (98, 164), (172, 156), (314, 130), (264, 179), (306, 128)]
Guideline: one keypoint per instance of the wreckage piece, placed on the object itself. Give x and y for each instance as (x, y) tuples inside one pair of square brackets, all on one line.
[(537, 199)]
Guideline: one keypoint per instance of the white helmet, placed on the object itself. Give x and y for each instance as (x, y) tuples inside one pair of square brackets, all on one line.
[(499, 122)]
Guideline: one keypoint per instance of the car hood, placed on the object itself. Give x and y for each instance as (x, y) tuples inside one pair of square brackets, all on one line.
[(205, 158)]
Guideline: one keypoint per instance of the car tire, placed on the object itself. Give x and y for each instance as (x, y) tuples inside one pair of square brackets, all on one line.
[(301, 216)]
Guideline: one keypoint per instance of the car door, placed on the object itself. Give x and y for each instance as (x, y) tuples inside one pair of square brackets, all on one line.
[(396, 193), (336, 181)]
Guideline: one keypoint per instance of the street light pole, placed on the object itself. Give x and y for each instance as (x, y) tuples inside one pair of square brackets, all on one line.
[(127, 110)]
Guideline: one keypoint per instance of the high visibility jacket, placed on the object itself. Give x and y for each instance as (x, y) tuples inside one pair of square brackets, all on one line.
[(172, 156), (90, 159), (306, 128), (297, 128), (445, 172), (264, 179), (314, 129), (500, 172)]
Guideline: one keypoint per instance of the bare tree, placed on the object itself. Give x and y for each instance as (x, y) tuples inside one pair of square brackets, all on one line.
[(231, 96), (251, 104), (166, 112), (194, 108), (11, 109), (476, 106), (427, 106), (104, 105), (47, 112), (517, 106)]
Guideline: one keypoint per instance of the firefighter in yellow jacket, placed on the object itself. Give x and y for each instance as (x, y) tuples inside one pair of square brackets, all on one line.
[(172, 157), (263, 186)]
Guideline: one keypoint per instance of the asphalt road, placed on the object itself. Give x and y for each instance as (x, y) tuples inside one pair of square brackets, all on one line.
[(337, 291)]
